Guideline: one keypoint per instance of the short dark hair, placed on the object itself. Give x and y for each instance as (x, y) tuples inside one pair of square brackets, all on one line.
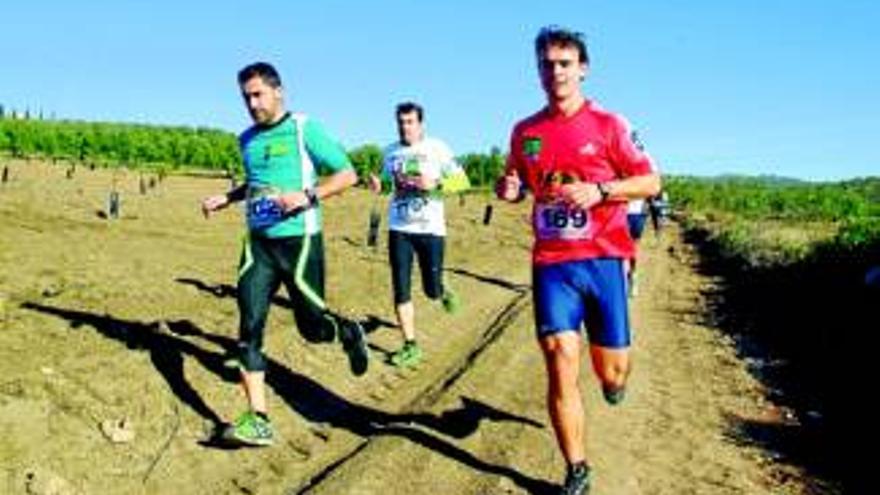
[(262, 70), (409, 107), (558, 36)]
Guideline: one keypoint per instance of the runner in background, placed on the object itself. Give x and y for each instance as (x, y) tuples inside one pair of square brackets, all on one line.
[(417, 170)]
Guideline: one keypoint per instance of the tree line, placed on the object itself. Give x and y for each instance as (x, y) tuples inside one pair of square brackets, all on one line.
[(743, 207), (760, 198), (112, 144), (174, 147), (481, 169)]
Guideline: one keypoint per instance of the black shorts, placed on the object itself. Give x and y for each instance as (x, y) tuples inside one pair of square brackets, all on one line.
[(429, 250), (298, 263)]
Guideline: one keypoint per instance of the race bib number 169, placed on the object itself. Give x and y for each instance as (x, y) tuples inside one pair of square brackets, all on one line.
[(560, 221)]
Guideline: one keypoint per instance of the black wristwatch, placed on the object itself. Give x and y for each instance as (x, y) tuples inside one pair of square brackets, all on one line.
[(603, 190), (312, 196)]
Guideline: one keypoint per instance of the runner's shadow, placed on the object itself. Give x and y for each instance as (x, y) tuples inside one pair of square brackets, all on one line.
[(306, 396), (370, 323), (226, 290), (217, 290), (319, 405), (166, 351), (464, 421), (504, 284)]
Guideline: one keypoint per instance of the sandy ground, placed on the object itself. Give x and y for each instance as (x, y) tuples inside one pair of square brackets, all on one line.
[(113, 334)]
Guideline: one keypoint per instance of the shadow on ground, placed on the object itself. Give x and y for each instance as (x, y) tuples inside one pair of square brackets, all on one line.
[(170, 342), (805, 330)]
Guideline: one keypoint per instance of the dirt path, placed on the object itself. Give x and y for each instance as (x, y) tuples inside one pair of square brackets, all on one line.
[(676, 433), (104, 321)]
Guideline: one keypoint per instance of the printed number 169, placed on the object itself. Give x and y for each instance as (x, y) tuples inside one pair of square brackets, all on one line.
[(561, 218)]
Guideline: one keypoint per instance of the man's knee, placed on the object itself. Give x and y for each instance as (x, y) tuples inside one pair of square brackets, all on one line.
[(563, 365), (559, 354), (560, 344)]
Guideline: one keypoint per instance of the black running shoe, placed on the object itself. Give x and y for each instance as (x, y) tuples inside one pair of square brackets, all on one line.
[(577, 481), (354, 342), (614, 396)]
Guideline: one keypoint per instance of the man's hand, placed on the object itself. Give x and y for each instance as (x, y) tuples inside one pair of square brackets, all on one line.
[(292, 202), (416, 182), (508, 188), (374, 184), (584, 195), (214, 203), (424, 183)]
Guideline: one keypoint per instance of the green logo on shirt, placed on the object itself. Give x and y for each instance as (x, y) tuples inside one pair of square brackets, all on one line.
[(532, 147), (411, 167)]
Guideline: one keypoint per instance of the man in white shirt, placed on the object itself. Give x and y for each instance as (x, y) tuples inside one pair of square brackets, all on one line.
[(417, 171), (636, 215)]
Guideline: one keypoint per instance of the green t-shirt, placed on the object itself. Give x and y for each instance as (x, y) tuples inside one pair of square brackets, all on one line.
[(287, 156)]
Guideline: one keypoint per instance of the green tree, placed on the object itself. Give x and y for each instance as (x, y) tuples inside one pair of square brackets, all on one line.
[(5, 143), (366, 159)]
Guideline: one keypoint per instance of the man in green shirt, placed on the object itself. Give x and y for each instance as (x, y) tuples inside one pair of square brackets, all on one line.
[(283, 156)]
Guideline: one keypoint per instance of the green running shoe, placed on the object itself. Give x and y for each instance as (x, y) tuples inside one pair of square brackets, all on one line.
[(451, 301), (408, 355), (250, 429)]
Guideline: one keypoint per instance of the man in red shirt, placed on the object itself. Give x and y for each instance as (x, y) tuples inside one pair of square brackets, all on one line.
[(581, 165)]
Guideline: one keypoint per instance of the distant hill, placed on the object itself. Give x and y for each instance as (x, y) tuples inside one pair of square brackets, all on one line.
[(764, 179)]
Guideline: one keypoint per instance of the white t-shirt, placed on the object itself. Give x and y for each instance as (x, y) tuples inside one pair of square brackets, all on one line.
[(413, 211), (636, 207)]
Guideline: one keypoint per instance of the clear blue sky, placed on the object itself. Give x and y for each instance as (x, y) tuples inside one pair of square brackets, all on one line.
[(753, 87)]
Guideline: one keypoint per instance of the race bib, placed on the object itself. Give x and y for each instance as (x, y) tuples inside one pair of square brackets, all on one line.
[(262, 211), (560, 221), (413, 209)]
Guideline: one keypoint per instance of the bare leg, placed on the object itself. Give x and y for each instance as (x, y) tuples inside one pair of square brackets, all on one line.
[(406, 317), (562, 358), (253, 384), (611, 365)]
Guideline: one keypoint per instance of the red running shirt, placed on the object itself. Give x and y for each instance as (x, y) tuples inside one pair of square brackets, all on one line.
[(593, 145)]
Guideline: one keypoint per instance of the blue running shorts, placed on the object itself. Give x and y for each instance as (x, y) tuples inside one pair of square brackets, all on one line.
[(591, 291)]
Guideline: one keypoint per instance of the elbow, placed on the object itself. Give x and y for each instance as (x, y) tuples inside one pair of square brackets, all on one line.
[(349, 178), (654, 185)]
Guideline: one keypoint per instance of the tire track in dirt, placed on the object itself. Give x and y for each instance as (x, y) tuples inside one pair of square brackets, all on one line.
[(432, 393), (675, 434)]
